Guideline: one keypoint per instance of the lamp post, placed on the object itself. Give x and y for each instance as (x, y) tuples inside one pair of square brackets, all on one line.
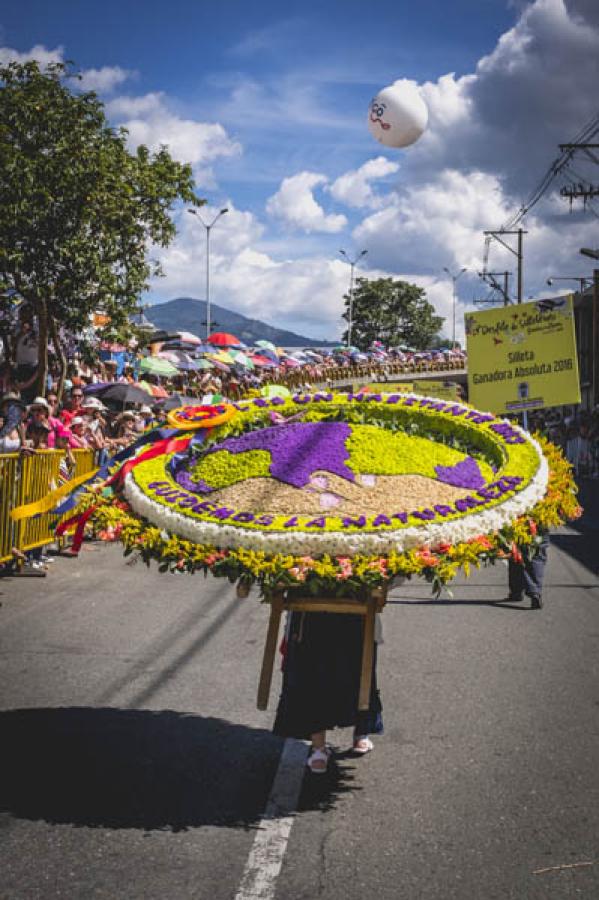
[(454, 278), (352, 265), (208, 228)]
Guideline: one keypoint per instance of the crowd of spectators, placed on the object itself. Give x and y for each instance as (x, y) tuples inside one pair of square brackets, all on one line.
[(576, 431)]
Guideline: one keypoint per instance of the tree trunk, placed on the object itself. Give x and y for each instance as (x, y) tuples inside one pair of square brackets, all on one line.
[(41, 311), (59, 350)]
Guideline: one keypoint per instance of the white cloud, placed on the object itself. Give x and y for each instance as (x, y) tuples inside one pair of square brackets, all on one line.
[(354, 188), (103, 80), (40, 53), (294, 204), (434, 224), (149, 121), (303, 295)]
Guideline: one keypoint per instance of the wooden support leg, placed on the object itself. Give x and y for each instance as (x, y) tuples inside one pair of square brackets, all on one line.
[(270, 648), (367, 656)]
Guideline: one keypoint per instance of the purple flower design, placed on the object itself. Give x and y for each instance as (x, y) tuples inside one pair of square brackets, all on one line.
[(464, 474), (298, 449)]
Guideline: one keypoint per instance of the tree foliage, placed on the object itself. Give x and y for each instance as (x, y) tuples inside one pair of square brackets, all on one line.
[(78, 211), (392, 311)]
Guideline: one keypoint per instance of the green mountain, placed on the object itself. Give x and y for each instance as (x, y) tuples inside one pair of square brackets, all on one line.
[(187, 314)]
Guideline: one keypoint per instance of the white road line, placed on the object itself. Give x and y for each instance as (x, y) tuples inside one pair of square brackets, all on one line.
[(266, 856)]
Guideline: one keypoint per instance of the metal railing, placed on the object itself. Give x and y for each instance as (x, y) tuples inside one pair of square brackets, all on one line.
[(25, 478)]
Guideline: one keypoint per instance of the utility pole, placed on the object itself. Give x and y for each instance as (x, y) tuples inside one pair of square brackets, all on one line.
[(594, 254), (518, 252)]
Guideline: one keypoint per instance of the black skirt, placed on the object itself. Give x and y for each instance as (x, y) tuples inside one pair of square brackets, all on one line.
[(321, 677)]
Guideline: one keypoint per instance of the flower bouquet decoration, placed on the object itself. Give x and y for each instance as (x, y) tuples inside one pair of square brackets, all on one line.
[(336, 494)]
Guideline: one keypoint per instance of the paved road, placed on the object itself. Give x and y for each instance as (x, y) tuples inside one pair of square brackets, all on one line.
[(133, 763)]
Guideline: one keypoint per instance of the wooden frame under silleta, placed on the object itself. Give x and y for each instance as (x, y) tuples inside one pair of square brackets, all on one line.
[(293, 601)]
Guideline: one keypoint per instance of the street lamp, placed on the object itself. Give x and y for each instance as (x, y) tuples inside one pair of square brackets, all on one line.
[(208, 228), (352, 264), (454, 278), (584, 282)]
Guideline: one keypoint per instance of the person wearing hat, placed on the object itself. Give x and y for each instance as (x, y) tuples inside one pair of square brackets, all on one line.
[(125, 429), (96, 427), (79, 429), (12, 414)]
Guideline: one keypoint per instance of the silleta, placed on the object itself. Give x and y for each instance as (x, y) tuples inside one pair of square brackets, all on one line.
[(521, 356)]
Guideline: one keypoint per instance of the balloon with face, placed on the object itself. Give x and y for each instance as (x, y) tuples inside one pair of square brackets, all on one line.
[(398, 115)]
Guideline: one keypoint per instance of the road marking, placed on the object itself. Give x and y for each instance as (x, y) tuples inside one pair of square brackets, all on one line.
[(266, 856)]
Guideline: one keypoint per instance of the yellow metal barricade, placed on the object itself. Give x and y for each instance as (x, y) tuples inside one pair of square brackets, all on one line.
[(25, 479), (9, 483), (39, 476)]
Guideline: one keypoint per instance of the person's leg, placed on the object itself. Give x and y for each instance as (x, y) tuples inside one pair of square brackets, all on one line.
[(318, 759), (533, 573), (515, 580)]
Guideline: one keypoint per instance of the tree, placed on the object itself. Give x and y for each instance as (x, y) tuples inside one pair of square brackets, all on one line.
[(394, 312), (78, 211)]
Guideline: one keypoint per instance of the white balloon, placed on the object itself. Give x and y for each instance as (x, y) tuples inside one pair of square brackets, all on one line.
[(398, 115)]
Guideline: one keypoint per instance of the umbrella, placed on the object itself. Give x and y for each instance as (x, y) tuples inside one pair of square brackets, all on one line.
[(156, 390), (275, 390), (267, 345), (204, 364), (222, 356), (241, 359), (95, 388), (220, 365), (158, 337), (188, 338), (223, 339), (153, 365), (176, 400), (263, 362), (124, 393)]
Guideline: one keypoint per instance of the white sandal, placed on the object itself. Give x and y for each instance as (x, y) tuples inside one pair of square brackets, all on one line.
[(319, 755), (362, 744)]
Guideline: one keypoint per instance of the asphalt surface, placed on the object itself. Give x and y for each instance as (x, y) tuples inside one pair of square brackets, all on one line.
[(134, 764)]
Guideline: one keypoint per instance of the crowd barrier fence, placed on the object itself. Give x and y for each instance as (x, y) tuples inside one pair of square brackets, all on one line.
[(25, 478)]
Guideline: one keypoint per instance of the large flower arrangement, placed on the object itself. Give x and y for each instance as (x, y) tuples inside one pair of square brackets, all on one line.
[(337, 493)]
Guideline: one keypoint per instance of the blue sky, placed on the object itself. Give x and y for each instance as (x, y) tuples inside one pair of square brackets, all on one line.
[(269, 102)]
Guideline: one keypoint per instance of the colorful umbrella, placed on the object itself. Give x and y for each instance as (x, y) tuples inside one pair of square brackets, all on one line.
[(223, 339), (153, 365), (275, 390), (267, 345), (263, 362), (188, 338), (241, 359)]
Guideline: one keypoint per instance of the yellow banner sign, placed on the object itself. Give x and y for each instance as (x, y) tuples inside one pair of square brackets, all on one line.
[(522, 357)]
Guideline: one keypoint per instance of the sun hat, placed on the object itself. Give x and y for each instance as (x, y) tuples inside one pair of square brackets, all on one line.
[(78, 420), (92, 403), (11, 395), (145, 410), (40, 401)]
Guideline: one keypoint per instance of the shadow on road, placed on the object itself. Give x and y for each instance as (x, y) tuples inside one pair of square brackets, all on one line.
[(141, 769)]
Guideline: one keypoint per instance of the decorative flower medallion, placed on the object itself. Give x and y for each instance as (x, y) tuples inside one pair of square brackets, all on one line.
[(340, 474)]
